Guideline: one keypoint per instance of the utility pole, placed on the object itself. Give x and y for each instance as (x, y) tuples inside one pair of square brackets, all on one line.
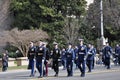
[(102, 41), (101, 12)]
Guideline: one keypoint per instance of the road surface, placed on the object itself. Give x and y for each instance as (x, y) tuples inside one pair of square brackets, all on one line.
[(99, 73)]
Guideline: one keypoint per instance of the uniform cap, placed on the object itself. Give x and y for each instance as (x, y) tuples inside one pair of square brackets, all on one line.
[(80, 39), (55, 43)]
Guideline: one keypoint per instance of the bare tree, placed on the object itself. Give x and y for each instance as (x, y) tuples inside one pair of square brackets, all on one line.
[(71, 29), (21, 39), (5, 17)]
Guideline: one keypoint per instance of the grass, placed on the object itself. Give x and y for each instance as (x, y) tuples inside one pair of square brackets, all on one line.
[(15, 68)]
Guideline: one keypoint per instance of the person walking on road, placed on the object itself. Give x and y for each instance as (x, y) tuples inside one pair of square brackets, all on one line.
[(55, 56), (40, 58), (70, 59), (90, 57), (31, 57), (107, 52), (82, 51)]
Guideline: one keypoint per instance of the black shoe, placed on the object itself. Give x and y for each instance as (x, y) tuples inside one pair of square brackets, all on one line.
[(89, 71), (45, 75), (56, 75), (68, 75), (108, 67), (82, 75), (39, 76), (31, 75), (71, 75)]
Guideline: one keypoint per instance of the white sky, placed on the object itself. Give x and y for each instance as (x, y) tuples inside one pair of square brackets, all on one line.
[(89, 2)]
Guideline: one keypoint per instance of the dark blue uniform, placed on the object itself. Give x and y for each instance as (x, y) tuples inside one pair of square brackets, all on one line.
[(76, 56), (40, 58), (82, 51), (63, 58), (107, 53), (46, 61), (117, 54), (90, 57), (31, 56), (69, 61), (55, 56), (94, 49)]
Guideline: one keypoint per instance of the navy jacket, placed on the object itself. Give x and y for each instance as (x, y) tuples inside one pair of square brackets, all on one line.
[(31, 52), (107, 51), (117, 50), (82, 51), (56, 54), (76, 53), (40, 53), (63, 55), (70, 54), (90, 54)]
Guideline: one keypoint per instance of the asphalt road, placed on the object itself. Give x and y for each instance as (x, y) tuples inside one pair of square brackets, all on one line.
[(99, 73)]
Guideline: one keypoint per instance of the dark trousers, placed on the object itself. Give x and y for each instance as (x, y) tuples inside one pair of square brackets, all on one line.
[(119, 59), (89, 64), (81, 66), (4, 66), (93, 63), (69, 66), (64, 63), (31, 64), (107, 62), (39, 66), (56, 66), (46, 68)]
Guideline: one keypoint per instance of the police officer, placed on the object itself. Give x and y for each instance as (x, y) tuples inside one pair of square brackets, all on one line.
[(107, 51), (70, 58), (82, 51), (117, 54), (40, 58), (90, 57), (46, 59), (103, 56), (63, 58), (31, 56), (76, 56), (55, 56), (94, 49)]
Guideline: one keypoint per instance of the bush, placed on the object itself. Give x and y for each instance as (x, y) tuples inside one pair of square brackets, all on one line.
[(15, 55), (12, 55), (0, 55)]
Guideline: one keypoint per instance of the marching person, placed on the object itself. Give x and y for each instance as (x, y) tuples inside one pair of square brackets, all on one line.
[(46, 59), (117, 54), (82, 51), (76, 56), (4, 62), (90, 57), (31, 57), (107, 51), (55, 56), (40, 58), (63, 58), (70, 58), (94, 49)]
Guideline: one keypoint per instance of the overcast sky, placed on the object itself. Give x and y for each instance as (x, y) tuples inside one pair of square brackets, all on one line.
[(89, 2)]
